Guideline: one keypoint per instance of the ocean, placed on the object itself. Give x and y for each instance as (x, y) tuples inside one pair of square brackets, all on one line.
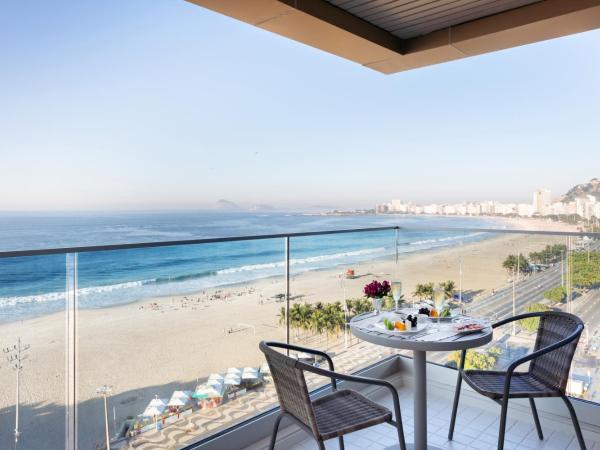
[(34, 286)]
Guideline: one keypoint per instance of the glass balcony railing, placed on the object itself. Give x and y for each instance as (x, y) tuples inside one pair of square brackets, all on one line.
[(156, 345)]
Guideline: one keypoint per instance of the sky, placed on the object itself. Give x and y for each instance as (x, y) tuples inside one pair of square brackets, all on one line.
[(137, 105)]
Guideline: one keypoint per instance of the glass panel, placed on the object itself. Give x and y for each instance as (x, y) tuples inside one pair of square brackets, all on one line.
[(155, 324), (580, 269), (435, 260), (328, 274), (501, 278), (553, 272), (32, 337)]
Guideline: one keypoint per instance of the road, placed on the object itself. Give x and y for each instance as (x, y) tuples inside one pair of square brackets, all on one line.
[(529, 290)]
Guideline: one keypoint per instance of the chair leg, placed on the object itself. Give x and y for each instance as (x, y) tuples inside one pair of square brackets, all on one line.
[(575, 422), (502, 430), (274, 435), (341, 439), (536, 419), (400, 429), (455, 407)]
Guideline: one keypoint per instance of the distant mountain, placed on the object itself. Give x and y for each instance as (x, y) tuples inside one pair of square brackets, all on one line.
[(583, 190), (227, 204)]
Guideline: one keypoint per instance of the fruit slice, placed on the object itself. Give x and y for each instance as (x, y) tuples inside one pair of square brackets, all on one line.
[(400, 326), (434, 312)]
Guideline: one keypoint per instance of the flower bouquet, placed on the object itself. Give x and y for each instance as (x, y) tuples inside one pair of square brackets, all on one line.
[(375, 291)]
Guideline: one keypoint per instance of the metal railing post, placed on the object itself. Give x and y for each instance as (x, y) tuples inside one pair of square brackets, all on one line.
[(70, 353), (397, 243), (287, 290)]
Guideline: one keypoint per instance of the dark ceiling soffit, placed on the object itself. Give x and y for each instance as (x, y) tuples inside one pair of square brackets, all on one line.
[(339, 18)]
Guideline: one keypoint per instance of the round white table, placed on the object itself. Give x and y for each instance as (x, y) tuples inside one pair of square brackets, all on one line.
[(362, 327)]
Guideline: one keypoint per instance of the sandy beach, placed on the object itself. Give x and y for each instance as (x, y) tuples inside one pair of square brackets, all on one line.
[(158, 345)]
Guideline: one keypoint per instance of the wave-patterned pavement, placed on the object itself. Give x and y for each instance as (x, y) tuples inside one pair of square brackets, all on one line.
[(204, 422)]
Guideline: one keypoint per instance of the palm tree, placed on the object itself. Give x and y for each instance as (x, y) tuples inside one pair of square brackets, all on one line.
[(295, 318), (423, 291), (281, 315), (304, 314), (449, 287)]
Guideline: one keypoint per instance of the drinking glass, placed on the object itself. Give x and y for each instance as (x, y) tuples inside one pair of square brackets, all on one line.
[(439, 301), (396, 292)]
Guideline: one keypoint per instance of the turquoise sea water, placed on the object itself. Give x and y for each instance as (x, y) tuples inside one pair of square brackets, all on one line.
[(32, 286)]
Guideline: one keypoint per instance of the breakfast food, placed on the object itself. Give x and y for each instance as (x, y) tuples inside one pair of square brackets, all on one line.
[(424, 311), (407, 324), (466, 327)]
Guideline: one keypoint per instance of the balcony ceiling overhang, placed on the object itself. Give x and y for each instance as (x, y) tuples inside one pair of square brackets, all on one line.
[(395, 35)]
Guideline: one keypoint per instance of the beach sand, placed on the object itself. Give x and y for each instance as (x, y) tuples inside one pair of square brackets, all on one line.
[(155, 346)]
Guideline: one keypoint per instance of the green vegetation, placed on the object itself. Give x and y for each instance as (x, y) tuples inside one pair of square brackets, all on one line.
[(556, 294), (476, 359), (316, 318), (585, 267), (425, 290), (512, 263), (551, 254), (449, 287), (358, 306), (533, 323)]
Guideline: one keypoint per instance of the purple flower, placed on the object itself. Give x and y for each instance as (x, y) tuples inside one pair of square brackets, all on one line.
[(376, 289)]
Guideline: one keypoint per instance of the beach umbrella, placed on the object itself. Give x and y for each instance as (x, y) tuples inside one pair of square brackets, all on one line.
[(232, 380), (180, 398), (208, 391), (215, 377), (155, 408), (249, 374)]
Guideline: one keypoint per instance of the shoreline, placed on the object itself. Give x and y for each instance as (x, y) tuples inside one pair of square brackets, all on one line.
[(514, 224)]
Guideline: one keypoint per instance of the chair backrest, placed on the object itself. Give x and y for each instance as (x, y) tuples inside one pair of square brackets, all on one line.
[(553, 367), (290, 385)]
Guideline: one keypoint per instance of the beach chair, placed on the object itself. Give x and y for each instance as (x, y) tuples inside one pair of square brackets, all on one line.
[(333, 415), (547, 375)]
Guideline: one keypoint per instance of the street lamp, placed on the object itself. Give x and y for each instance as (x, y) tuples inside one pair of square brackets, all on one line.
[(105, 391)]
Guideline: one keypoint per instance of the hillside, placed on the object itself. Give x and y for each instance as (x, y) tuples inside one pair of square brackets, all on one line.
[(582, 190)]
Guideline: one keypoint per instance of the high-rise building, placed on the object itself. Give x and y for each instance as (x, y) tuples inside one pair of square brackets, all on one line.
[(541, 201)]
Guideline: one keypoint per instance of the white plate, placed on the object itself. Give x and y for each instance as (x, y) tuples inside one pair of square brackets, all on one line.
[(421, 325), (454, 313)]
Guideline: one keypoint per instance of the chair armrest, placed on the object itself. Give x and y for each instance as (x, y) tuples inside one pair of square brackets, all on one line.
[(518, 317), (542, 351), (298, 348), (355, 379)]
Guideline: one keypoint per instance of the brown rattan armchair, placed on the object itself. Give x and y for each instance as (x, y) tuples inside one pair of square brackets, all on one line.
[(549, 364), (332, 415)]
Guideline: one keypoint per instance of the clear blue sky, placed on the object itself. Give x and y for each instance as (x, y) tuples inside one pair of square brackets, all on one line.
[(162, 104)]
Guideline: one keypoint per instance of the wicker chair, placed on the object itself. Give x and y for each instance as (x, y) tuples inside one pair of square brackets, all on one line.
[(333, 415), (547, 376)]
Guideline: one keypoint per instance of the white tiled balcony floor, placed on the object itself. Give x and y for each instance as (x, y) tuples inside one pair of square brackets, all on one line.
[(476, 428)]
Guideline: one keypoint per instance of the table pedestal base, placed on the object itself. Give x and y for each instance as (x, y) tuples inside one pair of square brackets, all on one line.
[(411, 447)]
